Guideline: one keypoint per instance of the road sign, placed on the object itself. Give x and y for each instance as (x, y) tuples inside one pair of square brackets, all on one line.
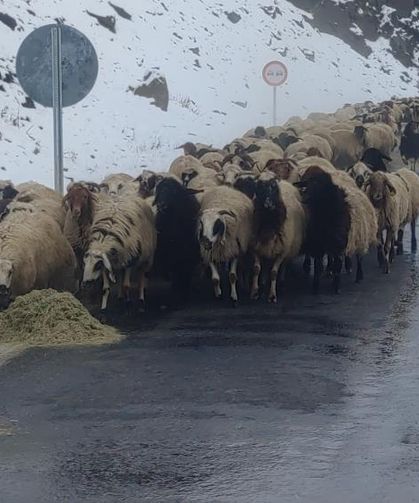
[(275, 73), (79, 65), (57, 66)]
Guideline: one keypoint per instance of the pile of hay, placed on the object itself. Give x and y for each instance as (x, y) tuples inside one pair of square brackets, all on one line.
[(50, 318)]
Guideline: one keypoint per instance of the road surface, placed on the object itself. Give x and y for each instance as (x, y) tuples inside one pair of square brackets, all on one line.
[(314, 400)]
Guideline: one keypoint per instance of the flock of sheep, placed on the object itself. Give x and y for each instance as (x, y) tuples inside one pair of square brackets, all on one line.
[(317, 187)]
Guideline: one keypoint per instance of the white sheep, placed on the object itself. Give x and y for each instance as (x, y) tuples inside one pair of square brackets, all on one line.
[(184, 165), (280, 228), (360, 172), (34, 195), (115, 184), (34, 254), (389, 195), (412, 182), (122, 238), (225, 228)]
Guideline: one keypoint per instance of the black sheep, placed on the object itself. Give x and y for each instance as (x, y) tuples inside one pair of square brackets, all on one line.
[(329, 222), (409, 145), (374, 159), (177, 253)]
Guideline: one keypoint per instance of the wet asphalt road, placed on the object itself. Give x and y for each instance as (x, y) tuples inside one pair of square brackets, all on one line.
[(315, 400)]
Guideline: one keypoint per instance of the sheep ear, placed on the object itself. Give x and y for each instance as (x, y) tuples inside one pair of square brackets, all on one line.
[(391, 188), (386, 157), (300, 185), (108, 267)]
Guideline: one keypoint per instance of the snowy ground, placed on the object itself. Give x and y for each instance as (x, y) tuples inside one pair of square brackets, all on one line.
[(212, 61)]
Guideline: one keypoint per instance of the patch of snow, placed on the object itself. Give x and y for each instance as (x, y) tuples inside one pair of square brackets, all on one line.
[(386, 13), (356, 29), (114, 130)]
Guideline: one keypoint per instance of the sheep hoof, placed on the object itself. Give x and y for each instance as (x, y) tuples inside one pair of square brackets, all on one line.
[(254, 295), (234, 303), (273, 299), (400, 250), (103, 317), (141, 307)]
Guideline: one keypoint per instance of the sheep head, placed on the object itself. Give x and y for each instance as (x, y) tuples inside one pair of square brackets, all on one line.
[(379, 188), (95, 264), (212, 228), (6, 276)]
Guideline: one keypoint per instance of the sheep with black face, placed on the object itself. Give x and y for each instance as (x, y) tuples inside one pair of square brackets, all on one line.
[(225, 229), (280, 228)]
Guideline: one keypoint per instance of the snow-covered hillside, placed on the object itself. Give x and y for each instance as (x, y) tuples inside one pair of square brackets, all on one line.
[(201, 59)]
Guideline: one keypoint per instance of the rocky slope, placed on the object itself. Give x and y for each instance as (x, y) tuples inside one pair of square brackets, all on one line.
[(177, 71)]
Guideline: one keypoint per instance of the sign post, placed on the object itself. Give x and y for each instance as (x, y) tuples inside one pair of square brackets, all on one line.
[(275, 74), (57, 103), (57, 67)]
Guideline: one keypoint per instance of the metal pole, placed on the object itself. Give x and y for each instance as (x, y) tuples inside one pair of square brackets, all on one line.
[(57, 97), (274, 114)]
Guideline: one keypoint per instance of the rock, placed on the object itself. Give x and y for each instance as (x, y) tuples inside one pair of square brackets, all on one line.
[(155, 88)]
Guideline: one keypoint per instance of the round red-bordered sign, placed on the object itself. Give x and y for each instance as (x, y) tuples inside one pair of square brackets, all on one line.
[(275, 73)]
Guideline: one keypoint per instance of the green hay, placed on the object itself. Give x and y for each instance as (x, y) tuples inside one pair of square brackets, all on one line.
[(50, 318)]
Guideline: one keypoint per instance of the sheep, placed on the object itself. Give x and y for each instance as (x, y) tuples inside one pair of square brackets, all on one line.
[(409, 144), (285, 139), (148, 180), (341, 222), (79, 204), (115, 183), (284, 169), (34, 254), (177, 252), (310, 141), (411, 180), (390, 197), (348, 149), (122, 238), (212, 160), (379, 136), (360, 172), (280, 228), (184, 166), (225, 228), (41, 198), (7, 190), (374, 159)]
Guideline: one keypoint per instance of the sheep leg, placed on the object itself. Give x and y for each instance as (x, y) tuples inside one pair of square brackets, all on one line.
[(380, 249), (273, 299), (329, 266), (318, 270), (399, 242), (106, 289), (215, 276), (307, 264), (387, 249), (359, 269), (392, 253), (233, 281), (413, 230), (255, 280), (337, 269), (348, 265), (141, 289)]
